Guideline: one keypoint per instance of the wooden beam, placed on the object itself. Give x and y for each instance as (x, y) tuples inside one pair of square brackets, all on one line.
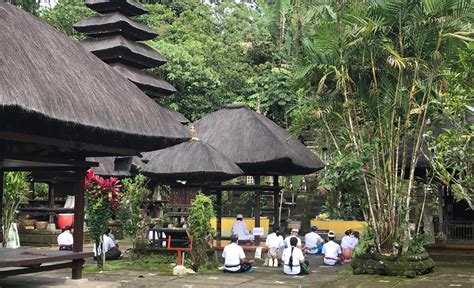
[(79, 191), (35, 269), (1, 201), (237, 188), (50, 160), (51, 198), (276, 203), (79, 146), (257, 207), (219, 216)]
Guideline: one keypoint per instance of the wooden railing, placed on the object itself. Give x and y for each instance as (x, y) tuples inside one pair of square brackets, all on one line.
[(458, 231)]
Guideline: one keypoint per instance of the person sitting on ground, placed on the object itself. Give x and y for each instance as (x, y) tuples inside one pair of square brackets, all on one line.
[(240, 229), (312, 241), (293, 259), (65, 239), (294, 234), (355, 239), (346, 246), (275, 244), (234, 257), (331, 251), (108, 232), (111, 250)]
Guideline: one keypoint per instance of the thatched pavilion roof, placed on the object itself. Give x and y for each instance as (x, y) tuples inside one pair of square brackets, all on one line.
[(113, 24), (255, 143), (175, 114), (115, 166), (51, 87), (193, 161)]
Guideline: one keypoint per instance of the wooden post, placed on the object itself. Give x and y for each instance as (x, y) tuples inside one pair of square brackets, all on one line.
[(276, 203), (257, 207), (219, 216), (32, 190), (79, 191), (1, 203), (51, 198)]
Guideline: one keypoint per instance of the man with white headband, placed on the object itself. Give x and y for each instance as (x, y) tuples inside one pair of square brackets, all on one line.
[(331, 251), (240, 229)]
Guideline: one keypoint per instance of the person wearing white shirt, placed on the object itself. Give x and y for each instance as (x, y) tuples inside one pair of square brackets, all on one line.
[(355, 239), (346, 246), (65, 239), (312, 240), (293, 260), (240, 229), (111, 250), (275, 244), (294, 234), (234, 258), (331, 251)]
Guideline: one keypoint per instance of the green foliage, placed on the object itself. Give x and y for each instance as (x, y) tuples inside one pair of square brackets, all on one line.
[(66, 13), (343, 186), (15, 191), (366, 243), (41, 190), (30, 6), (135, 194), (200, 228), (417, 244)]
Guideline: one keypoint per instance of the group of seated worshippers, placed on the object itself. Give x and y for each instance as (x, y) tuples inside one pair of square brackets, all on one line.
[(291, 251)]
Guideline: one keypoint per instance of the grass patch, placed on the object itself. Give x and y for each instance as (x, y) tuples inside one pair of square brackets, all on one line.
[(152, 262)]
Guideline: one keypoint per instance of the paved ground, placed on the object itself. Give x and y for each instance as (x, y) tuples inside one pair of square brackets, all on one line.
[(445, 275)]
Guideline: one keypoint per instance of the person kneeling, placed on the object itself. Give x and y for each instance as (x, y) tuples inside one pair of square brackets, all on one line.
[(235, 261), (293, 259), (65, 239), (111, 250)]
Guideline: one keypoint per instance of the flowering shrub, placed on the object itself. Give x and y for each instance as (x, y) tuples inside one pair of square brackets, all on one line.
[(103, 199)]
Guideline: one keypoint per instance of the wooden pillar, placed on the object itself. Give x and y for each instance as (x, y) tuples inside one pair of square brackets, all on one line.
[(276, 203), (219, 215), (79, 191), (257, 207), (1, 202), (51, 198), (32, 190)]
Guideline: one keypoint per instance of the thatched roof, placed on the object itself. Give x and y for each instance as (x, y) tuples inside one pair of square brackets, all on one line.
[(118, 49), (149, 84), (115, 24), (175, 114), (115, 166), (193, 161), (126, 7), (51, 87), (255, 143)]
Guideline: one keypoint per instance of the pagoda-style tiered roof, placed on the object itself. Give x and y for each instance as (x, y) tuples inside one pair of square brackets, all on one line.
[(149, 84), (115, 24), (113, 40), (125, 7)]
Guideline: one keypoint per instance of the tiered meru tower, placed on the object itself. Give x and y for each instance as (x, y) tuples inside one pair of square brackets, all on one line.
[(114, 39)]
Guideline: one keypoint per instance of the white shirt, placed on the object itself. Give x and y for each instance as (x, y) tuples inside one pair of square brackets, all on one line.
[(274, 241), (108, 244), (297, 257), (65, 238), (240, 229), (287, 241), (232, 254), (346, 242), (354, 242), (312, 239), (331, 250)]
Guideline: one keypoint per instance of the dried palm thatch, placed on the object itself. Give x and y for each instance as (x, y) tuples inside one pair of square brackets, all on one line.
[(115, 166), (193, 161), (113, 24), (255, 143), (150, 84), (126, 7), (51, 87), (175, 114), (118, 49)]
